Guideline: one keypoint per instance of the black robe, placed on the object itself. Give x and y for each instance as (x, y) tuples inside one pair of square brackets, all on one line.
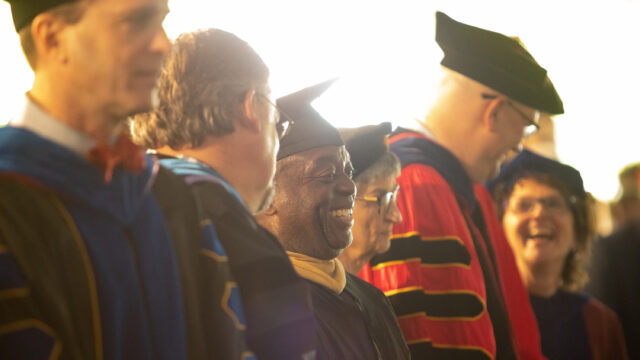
[(357, 324), (275, 300)]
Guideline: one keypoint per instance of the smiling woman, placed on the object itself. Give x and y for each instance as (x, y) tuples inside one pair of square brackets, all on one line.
[(547, 219)]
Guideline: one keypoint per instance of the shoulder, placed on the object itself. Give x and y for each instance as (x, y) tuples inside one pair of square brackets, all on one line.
[(598, 311), (363, 288), (420, 172), (25, 200), (605, 331)]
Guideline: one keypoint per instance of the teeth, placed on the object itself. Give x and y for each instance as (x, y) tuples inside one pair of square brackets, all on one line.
[(341, 212), (540, 235)]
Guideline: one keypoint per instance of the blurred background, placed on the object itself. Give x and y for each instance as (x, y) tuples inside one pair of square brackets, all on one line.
[(385, 57)]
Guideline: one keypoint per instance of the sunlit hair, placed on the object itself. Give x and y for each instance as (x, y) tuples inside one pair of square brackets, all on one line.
[(70, 13), (201, 90), (574, 274), (387, 165)]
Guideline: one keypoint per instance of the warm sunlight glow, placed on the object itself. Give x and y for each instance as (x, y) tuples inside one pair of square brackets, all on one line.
[(385, 57)]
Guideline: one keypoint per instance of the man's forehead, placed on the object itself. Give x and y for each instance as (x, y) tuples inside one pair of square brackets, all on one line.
[(322, 154)]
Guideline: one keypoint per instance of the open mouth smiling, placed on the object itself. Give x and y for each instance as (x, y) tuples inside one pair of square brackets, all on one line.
[(343, 216)]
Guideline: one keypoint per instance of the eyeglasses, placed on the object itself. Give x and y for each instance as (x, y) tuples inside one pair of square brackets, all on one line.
[(283, 121), (384, 201), (532, 124), (554, 205)]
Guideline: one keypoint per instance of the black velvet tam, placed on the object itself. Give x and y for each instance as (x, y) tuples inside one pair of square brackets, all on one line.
[(497, 61), (366, 145), (309, 130), (24, 11)]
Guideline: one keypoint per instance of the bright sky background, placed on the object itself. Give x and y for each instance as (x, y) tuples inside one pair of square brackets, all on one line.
[(384, 55)]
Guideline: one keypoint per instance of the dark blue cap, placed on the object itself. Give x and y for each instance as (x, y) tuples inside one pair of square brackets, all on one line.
[(528, 163)]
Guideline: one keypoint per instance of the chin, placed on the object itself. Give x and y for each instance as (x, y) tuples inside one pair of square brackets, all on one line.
[(141, 101), (337, 244), (383, 248)]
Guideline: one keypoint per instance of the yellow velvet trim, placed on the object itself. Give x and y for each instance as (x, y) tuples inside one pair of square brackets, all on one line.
[(328, 273)]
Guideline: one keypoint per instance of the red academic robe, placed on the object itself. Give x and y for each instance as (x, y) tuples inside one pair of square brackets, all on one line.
[(450, 273)]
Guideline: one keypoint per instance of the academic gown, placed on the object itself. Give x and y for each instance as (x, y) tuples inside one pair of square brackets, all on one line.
[(575, 326), (89, 269), (275, 300), (356, 324), (450, 273)]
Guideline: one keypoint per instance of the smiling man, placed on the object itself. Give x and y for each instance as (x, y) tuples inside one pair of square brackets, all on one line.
[(311, 215)]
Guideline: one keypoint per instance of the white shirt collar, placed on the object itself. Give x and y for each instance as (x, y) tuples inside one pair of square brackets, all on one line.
[(33, 118)]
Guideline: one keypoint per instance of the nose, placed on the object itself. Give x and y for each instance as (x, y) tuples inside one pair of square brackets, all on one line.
[(346, 186), (538, 209), (161, 43), (394, 215)]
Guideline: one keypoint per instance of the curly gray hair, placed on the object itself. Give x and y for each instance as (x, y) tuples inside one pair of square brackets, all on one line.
[(201, 90)]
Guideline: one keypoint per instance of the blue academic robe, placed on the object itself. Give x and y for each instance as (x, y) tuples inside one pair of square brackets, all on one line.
[(129, 268)]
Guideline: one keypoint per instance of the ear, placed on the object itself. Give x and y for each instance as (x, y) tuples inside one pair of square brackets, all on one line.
[(46, 30), (490, 115), (250, 120), (270, 211)]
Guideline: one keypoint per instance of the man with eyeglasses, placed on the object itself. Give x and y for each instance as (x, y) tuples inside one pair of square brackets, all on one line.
[(449, 272), (375, 210), (311, 215), (218, 128)]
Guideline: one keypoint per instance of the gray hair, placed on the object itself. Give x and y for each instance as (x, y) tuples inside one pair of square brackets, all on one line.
[(201, 90)]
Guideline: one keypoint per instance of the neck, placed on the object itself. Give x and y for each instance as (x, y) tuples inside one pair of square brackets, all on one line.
[(328, 273), (226, 160), (541, 279), (469, 156), (352, 264), (353, 261), (73, 112)]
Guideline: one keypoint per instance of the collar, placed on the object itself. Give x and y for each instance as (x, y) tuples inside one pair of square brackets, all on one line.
[(195, 171), (412, 147), (422, 129), (32, 117), (328, 273), (73, 177)]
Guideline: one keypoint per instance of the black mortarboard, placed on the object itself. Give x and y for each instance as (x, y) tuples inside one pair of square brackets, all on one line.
[(528, 163), (24, 11), (366, 145), (497, 61), (309, 130)]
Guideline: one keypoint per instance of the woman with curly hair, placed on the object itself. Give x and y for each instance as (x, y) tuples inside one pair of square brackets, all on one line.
[(548, 220)]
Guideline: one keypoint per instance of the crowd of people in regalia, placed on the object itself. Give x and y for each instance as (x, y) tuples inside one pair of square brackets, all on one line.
[(158, 202)]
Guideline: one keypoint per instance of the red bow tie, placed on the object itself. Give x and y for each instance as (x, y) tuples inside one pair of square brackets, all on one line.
[(124, 152)]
